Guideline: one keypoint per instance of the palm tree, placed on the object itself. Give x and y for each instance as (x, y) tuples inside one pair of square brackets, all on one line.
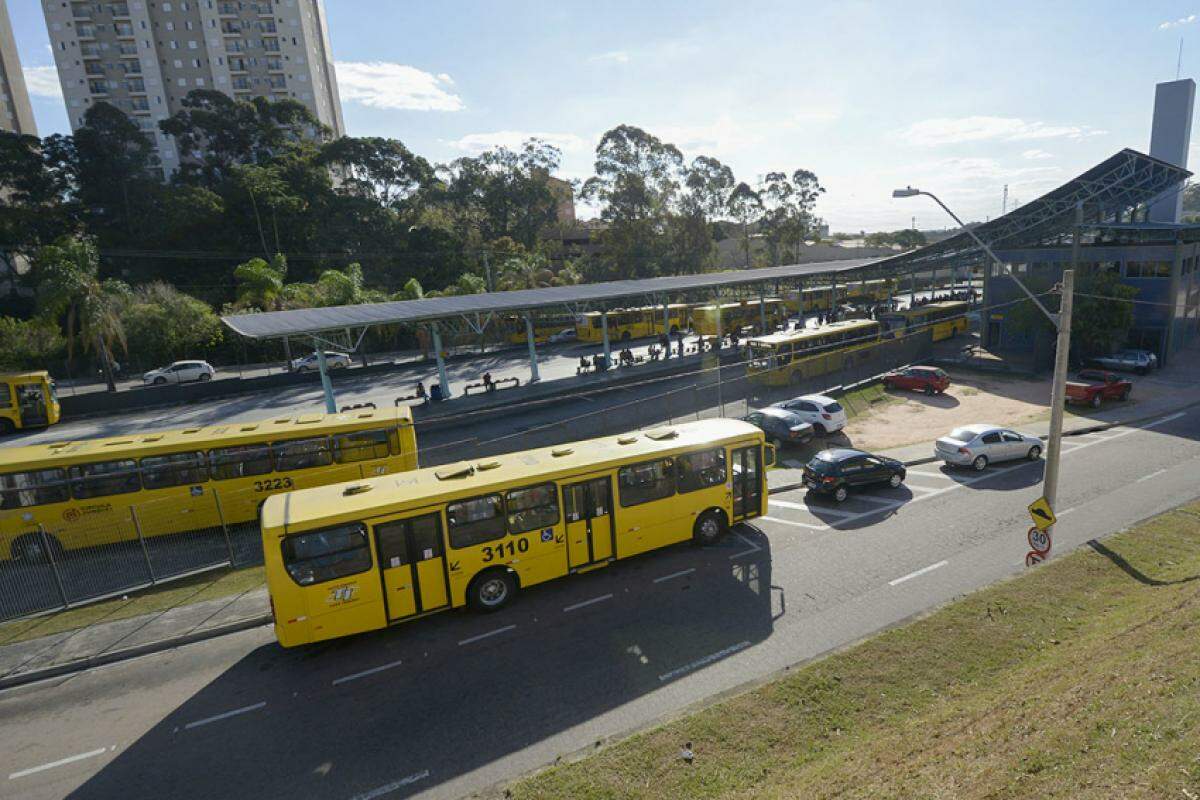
[(68, 276), (529, 271), (260, 283)]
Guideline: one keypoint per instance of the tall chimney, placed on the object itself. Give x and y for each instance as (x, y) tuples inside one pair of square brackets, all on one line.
[(1169, 138)]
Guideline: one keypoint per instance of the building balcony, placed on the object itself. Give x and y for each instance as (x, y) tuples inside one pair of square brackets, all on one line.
[(271, 45), (85, 31), (93, 68), (139, 104), (118, 9), (231, 29), (124, 31), (131, 67), (127, 49), (228, 9), (262, 9), (81, 12), (89, 51)]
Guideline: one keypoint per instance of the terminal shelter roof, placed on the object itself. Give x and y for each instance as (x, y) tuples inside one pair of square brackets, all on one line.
[(1124, 181), (276, 324)]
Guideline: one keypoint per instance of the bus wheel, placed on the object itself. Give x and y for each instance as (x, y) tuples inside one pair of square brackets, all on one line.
[(6, 427), (626, 336), (30, 549), (492, 590), (710, 526)]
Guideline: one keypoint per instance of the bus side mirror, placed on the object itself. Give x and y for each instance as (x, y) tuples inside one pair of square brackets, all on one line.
[(769, 455)]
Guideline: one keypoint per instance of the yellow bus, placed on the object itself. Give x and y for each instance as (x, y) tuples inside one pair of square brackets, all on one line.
[(102, 491), (736, 315), (807, 300), (946, 319), (543, 327), (27, 400), (364, 555), (631, 323), (789, 357)]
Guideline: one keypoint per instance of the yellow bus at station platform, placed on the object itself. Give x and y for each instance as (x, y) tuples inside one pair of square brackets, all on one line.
[(363, 555), (27, 400)]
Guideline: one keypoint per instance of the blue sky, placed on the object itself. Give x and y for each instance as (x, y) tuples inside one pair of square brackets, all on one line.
[(956, 97)]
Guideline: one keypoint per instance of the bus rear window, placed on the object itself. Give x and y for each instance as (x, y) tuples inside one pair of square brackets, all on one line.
[(327, 555), (240, 462)]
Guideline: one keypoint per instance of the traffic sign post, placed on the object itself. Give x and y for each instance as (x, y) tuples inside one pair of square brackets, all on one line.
[(1041, 514), (1039, 541), (1039, 535), (1032, 559)]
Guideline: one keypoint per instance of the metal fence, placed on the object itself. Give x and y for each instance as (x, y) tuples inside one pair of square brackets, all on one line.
[(100, 553)]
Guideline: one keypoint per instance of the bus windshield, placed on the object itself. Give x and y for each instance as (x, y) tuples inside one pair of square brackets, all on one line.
[(762, 356)]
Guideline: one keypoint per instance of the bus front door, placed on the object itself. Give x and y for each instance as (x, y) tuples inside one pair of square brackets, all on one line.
[(413, 563), (747, 482), (588, 507), (32, 403)]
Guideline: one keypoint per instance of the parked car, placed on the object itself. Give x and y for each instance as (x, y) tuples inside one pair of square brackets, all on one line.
[(308, 363), (180, 372), (781, 426), (837, 472), (565, 335), (1095, 386), (979, 445), (823, 413), (929, 380), (1139, 361)]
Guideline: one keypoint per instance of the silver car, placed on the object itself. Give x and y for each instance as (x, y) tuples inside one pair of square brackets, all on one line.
[(978, 445), (1139, 361)]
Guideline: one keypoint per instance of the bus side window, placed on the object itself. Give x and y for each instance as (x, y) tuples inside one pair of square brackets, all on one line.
[(532, 508), (700, 470), (642, 483), (105, 478), (302, 454), (240, 462), (360, 446), (21, 489), (174, 469), (475, 520)]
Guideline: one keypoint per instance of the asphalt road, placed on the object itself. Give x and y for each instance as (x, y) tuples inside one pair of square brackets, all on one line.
[(457, 702)]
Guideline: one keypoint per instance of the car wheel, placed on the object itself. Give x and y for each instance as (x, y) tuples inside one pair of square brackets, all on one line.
[(159, 381), (626, 336), (929, 391), (980, 463), (205, 377), (302, 369), (1096, 400), (841, 493), (889, 385), (819, 429), (492, 591), (895, 480), (1034, 453), (710, 526)]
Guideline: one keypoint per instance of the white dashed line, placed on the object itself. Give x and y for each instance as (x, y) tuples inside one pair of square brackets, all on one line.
[(60, 763), (1165, 420), (796, 524), (914, 487), (505, 629), (701, 662), (586, 603), (789, 504), (674, 575), (1151, 475), (1065, 511), (753, 548), (917, 574), (226, 715), (924, 474), (355, 676), (388, 788)]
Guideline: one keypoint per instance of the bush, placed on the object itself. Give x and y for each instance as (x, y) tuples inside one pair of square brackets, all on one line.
[(163, 324), (31, 344)]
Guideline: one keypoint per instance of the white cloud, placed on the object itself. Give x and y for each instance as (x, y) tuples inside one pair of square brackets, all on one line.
[(816, 114), (1188, 20), (478, 142), (1035, 154), (384, 84), (723, 137), (611, 57), (42, 82), (947, 130)]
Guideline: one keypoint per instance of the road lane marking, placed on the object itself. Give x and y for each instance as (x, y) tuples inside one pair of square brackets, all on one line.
[(924, 488), (917, 574), (1066, 511), (789, 504), (674, 575), (925, 474), (356, 675), (796, 524), (226, 715), (388, 788), (810, 509), (877, 500), (1165, 420), (753, 547), (486, 635), (586, 603), (1151, 475), (703, 662), (60, 763)]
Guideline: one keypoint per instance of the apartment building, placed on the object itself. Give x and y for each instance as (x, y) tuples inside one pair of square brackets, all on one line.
[(16, 114), (144, 56)]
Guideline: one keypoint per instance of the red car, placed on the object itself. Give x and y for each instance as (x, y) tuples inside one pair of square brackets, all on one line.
[(929, 380), (1095, 386)]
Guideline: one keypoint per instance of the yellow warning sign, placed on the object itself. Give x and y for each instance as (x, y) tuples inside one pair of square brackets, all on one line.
[(1041, 514)]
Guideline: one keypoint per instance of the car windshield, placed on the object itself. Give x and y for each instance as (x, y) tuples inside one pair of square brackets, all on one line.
[(962, 434), (819, 464)]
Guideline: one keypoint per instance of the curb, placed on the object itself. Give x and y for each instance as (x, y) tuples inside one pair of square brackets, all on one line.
[(91, 662)]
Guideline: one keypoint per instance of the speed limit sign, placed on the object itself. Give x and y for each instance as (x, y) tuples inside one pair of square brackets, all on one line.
[(1039, 541)]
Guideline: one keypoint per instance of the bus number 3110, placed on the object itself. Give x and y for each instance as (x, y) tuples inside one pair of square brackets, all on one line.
[(493, 552)]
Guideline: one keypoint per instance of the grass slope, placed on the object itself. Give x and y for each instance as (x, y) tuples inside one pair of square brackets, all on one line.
[(1080, 679)]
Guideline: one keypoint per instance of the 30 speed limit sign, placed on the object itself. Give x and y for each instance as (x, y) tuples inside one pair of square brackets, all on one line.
[(1039, 541)]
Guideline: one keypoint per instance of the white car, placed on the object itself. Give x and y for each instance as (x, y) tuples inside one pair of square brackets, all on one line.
[(308, 363), (824, 413), (180, 372), (978, 445), (565, 335)]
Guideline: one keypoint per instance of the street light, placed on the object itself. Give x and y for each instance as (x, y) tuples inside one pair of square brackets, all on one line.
[(1061, 321)]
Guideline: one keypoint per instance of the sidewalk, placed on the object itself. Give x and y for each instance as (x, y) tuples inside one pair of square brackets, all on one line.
[(84, 648)]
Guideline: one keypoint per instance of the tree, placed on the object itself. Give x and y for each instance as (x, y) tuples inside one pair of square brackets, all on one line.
[(787, 219), (29, 344), (706, 186), (35, 185), (163, 324), (1100, 320), (744, 204), (260, 283), (381, 169), (117, 184), (68, 285)]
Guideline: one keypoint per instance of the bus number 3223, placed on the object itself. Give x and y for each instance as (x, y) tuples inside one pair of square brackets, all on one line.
[(493, 552), (273, 484)]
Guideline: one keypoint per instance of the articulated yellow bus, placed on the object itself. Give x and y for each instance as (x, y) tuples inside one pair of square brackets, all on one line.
[(543, 327), (946, 319), (631, 323), (737, 315), (363, 555), (789, 357), (101, 491), (27, 400)]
